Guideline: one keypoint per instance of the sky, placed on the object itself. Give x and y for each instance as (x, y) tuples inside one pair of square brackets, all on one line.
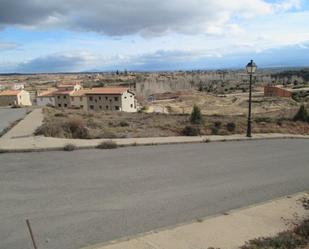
[(151, 35)]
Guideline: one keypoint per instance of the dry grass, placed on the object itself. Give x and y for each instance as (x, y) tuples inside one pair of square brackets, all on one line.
[(88, 125), (225, 105)]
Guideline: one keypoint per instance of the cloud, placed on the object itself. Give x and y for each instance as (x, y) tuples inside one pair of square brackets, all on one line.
[(54, 63), (8, 46), (125, 17), (286, 56)]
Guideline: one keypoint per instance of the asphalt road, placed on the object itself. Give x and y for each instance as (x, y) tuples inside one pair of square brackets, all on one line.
[(74, 199), (8, 115)]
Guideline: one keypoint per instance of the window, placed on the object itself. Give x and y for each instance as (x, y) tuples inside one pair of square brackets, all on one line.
[(117, 108), (90, 98), (106, 98), (91, 107), (81, 106), (100, 107), (59, 105), (125, 97), (95, 100), (116, 98), (131, 96), (64, 97), (131, 105), (100, 98), (106, 107), (65, 105), (58, 97)]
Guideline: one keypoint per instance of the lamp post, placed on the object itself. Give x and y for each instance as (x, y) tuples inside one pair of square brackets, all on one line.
[(251, 68)]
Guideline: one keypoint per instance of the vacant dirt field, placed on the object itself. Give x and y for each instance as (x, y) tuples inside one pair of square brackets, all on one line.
[(88, 125), (235, 104)]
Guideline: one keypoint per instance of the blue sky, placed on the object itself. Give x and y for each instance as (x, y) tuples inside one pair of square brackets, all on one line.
[(77, 35)]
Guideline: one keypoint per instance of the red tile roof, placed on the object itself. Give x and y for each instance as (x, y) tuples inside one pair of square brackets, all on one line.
[(107, 90), (80, 93), (47, 94), (10, 93), (62, 92)]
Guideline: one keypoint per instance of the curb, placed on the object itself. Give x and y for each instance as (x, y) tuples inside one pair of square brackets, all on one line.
[(135, 144)]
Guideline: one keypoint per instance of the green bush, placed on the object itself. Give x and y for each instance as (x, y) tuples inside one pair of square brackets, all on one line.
[(191, 131), (294, 239), (231, 126), (107, 145), (196, 115), (215, 130), (301, 115)]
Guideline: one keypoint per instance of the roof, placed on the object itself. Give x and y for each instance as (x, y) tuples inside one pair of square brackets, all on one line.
[(107, 90), (80, 93), (47, 94), (10, 93), (62, 92)]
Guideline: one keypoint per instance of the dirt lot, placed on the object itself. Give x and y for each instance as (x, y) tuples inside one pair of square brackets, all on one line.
[(81, 124), (236, 104)]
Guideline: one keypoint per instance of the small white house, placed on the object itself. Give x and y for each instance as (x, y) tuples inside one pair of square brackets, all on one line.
[(46, 98)]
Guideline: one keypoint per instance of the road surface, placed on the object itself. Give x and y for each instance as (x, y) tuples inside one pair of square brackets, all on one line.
[(8, 115), (75, 199)]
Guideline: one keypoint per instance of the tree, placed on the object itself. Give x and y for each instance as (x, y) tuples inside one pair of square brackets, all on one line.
[(196, 115), (302, 114)]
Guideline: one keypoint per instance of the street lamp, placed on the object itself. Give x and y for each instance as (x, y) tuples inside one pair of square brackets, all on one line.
[(251, 68)]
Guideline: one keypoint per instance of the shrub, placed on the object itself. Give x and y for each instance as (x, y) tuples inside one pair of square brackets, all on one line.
[(124, 123), (296, 238), (107, 145), (263, 120), (60, 114), (215, 130), (70, 129), (218, 124), (231, 126), (77, 128), (191, 131), (196, 115), (69, 147), (53, 129), (301, 115)]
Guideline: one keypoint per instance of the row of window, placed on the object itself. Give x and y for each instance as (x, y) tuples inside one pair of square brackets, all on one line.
[(117, 108), (106, 98)]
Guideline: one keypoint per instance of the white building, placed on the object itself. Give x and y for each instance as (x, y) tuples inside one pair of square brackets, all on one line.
[(111, 99), (15, 98)]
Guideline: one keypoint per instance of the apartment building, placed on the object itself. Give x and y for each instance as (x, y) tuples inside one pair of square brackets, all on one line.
[(63, 94), (79, 100), (15, 98), (46, 98), (111, 99)]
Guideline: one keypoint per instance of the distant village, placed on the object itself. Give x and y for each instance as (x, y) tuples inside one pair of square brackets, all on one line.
[(71, 95)]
